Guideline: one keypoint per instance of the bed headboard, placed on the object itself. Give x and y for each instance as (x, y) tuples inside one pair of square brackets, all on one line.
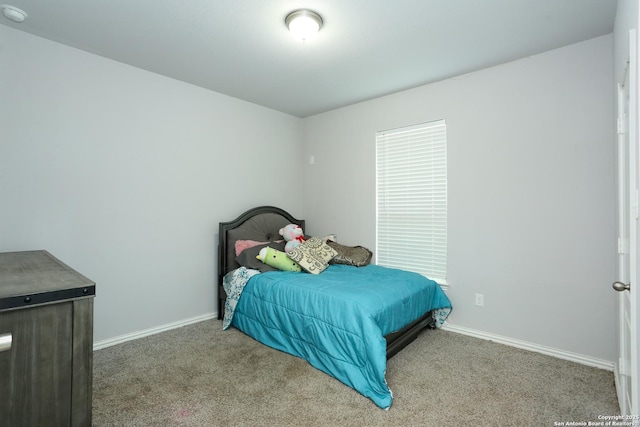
[(261, 224)]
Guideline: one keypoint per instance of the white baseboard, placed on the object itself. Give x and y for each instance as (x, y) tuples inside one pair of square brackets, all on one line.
[(549, 351), (152, 331)]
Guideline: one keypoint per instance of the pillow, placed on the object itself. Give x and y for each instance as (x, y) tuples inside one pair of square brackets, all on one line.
[(313, 255), (247, 258), (278, 259), (241, 245), (350, 255)]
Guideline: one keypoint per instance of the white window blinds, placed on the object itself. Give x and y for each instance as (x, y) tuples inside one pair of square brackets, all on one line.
[(411, 190)]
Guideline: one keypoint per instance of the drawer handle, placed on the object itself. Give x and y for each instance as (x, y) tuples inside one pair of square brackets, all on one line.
[(5, 342)]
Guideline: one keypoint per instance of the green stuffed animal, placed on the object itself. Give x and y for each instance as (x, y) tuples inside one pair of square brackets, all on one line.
[(277, 259)]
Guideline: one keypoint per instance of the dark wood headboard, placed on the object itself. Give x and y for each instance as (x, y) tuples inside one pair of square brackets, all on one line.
[(261, 224)]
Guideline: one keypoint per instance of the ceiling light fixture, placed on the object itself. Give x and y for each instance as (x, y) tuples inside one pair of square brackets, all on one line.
[(13, 13), (304, 24)]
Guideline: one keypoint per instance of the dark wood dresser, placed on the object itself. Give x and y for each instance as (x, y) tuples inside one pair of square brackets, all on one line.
[(46, 342)]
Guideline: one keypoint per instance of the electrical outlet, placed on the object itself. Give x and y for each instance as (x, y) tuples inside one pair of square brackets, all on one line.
[(479, 300)]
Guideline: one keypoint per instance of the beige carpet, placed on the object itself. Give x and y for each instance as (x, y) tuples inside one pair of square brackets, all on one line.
[(199, 375)]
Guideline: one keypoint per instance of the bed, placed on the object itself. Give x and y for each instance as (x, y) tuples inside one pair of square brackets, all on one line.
[(346, 321)]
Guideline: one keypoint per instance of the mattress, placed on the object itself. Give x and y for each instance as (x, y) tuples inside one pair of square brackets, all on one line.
[(337, 320)]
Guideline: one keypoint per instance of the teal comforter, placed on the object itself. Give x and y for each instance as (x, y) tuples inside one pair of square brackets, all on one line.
[(337, 320)]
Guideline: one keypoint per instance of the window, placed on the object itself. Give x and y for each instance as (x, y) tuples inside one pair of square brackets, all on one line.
[(411, 193)]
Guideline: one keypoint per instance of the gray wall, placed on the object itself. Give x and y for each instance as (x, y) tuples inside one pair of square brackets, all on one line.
[(531, 191), (125, 175)]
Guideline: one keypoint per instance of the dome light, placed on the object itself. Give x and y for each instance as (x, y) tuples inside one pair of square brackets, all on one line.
[(13, 13), (304, 24)]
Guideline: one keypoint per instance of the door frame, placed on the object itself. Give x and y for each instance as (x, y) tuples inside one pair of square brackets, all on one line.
[(628, 366)]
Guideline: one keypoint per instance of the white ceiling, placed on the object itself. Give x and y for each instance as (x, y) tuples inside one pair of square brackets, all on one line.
[(367, 48)]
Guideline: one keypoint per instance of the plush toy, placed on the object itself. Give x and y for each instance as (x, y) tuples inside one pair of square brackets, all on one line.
[(293, 234), (277, 259)]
